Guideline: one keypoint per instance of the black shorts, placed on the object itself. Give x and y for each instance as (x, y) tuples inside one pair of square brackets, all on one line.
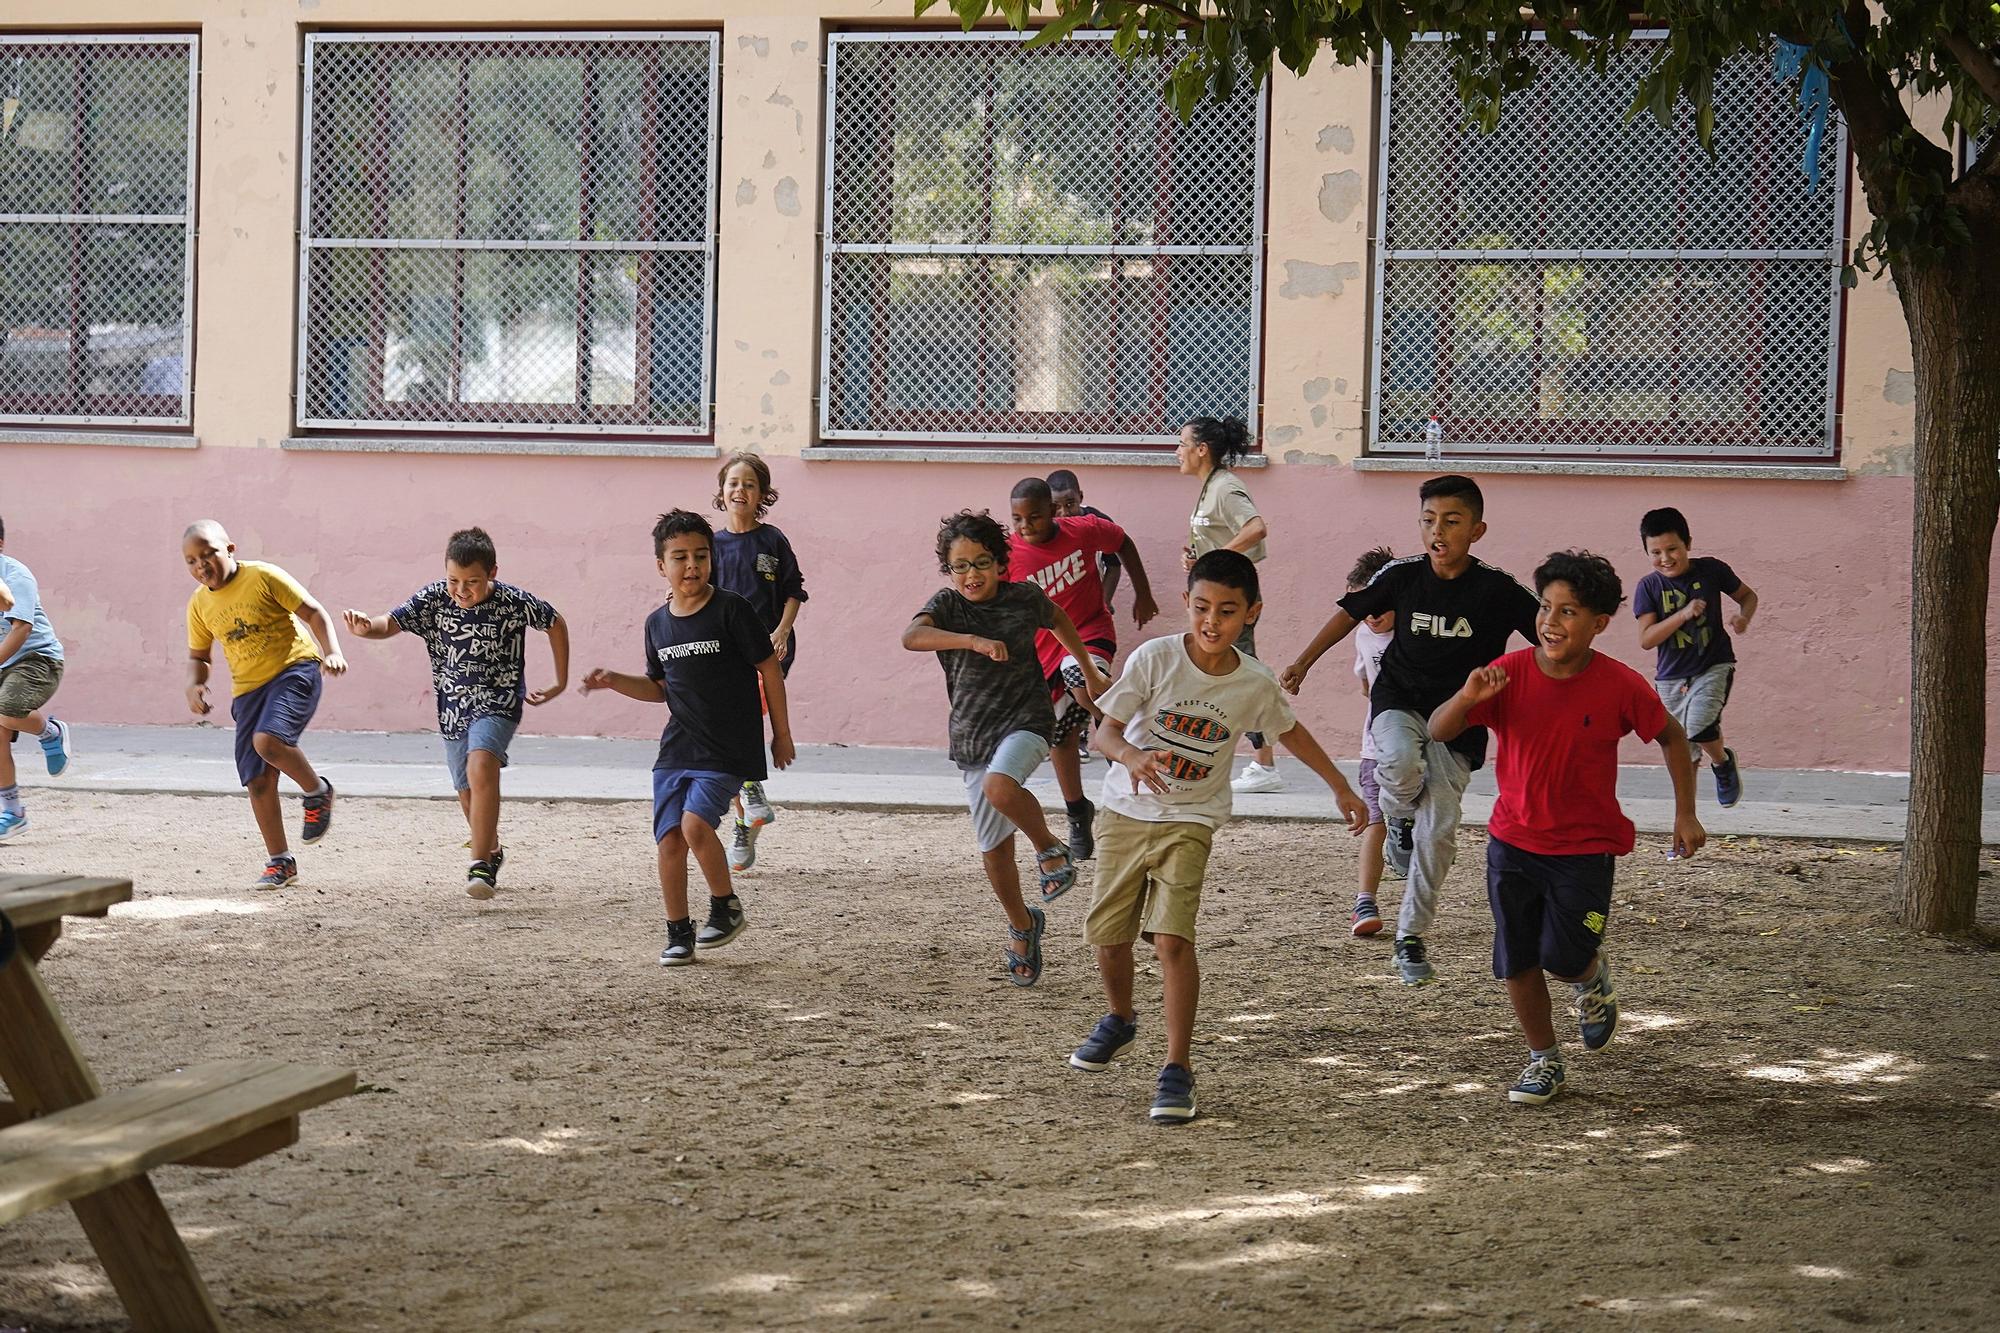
[(1548, 911)]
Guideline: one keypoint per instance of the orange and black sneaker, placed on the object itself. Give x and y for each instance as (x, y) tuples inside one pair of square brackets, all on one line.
[(278, 872), (319, 813)]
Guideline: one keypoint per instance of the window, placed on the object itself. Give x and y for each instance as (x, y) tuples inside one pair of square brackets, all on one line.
[(96, 229), (1028, 245), (508, 232), (1573, 284)]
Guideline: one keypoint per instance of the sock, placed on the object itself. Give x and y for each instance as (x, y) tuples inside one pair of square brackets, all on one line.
[(10, 800), (50, 732), (1079, 808), (1553, 1053), (1596, 976)]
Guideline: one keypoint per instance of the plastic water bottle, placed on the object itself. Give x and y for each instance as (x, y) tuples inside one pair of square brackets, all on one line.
[(1434, 440)]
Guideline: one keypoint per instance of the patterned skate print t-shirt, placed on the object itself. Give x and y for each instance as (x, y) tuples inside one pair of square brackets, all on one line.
[(476, 652), (1168, 703)]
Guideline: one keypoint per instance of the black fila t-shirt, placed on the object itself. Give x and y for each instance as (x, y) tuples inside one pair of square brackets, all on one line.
[(1445, 628), (708, 663)]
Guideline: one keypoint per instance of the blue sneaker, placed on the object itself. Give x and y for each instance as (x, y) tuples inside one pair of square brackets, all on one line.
[(1111, 1038), (12, 822), (1728, 782), (1597, 1007), (1541, 1080), (1173, 1100), (1412, 963), (56, 749), (1367, 917)]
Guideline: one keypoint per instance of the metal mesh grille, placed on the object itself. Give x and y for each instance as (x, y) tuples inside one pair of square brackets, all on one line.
[(509, 232), (1573, 283), (1027, 245), (96, 232)]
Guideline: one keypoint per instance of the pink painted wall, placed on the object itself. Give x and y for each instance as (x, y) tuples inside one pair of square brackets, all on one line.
[(1823, 684)]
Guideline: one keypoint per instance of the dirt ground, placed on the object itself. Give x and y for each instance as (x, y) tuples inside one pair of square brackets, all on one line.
[(848, 1118)]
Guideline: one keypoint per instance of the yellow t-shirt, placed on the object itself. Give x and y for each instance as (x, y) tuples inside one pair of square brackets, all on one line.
[(252, 615)]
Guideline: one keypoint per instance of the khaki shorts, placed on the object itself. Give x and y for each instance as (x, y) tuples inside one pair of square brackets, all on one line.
[(28, 684), (1148, 879)]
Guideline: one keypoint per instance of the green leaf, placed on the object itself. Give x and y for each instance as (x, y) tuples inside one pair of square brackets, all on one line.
[(1063, 26)]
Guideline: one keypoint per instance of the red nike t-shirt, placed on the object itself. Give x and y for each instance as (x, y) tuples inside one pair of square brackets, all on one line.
[(1558, 764), (1065, 567)]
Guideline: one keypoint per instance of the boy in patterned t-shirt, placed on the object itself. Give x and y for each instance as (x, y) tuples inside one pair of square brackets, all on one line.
[(476, 630)]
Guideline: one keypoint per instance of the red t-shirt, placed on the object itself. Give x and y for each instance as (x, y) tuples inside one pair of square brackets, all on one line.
[(1558, 763), (1065, 567)]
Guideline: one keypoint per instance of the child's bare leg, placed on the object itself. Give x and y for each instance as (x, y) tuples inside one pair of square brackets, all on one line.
[(465, 808), (1023, 811), (7, 770), (1267, 756), (1114, 969), (1005, 877), (482, 803), (270, 815), (1180, 990), (674, 875), (28, 724), (1372, 839), (1529, 993), (1714, 750), (1068, 765), (709, 854), (287, 758)]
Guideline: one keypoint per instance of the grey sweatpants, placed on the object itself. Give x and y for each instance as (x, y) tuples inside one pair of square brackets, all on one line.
[(1424, 780)]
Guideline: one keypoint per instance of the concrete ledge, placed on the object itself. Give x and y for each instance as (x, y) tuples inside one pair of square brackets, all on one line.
[(133, 439), (489, 444), (1056, 457), (1569, 467)]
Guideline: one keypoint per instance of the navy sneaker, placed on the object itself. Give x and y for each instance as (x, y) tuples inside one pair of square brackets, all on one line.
[(56, 750), (1173, 1099), (680, 944), (278, 872), (482, 878), (1367, 918), (1082, 840), (725, 922), (319, 813), (1412, 963), (1111, 1038), (1728, 782), (1597, 1007), (1541, 1080)]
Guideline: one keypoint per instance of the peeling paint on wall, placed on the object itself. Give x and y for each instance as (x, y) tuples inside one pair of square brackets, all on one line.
[(1319, 415), (761, 45), (1303, 279), (781, 379), (1339, 195), (1283, 435), (786, 197), (770, 159), (800, 47), (1340, 387), (1336, 138), (746, 193), (1315, 389), (1899, 386)]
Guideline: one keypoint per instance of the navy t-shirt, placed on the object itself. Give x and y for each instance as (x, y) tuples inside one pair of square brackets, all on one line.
[(1702, 642), (476, 652), (759, 567), (708, 663), (1445, 628)]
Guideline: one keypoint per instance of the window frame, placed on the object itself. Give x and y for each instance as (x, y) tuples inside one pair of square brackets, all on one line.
[(1516, 439), (1038, 429), (502, 418), (43, 409)]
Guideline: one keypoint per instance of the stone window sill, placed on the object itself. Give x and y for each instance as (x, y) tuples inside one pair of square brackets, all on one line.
[(1572, 467), (131, 439), (491, 444), (1049, 456)]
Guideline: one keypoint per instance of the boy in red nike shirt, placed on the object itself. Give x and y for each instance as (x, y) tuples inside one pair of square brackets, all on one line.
[(1559, 711), (1059, 555)]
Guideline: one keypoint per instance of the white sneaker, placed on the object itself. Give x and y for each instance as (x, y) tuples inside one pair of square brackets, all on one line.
[(1256, 777)]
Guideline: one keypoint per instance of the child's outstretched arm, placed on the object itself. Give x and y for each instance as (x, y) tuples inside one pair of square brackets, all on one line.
[(197, 682), (1147, 767), (786, 619), (643, 688), (1655, 630), (1307, 750), (1337, 627), (558, 633), (922, 636), (1447, 721), (1064, 629), (321, 624), (1688, 832), (364, 626), (782, 751), (1144, 608), (1745, 598)]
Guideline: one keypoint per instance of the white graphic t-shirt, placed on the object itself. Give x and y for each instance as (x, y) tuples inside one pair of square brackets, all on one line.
[(1168, 703), (1369, 645)]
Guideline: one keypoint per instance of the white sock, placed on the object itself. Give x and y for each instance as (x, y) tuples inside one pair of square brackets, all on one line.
[(50, 732), (10, 801)]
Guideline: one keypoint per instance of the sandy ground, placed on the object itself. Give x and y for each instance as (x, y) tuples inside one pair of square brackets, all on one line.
[(847, 1118)]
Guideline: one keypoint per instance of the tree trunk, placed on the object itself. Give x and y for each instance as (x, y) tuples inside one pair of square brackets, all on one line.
[(1953, 309)]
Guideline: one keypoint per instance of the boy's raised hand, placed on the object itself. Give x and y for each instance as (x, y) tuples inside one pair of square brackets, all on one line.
[(1150, 769), (542, 696), (1144, 608), (360, 622), (334, 664), (197, 697), (1739, 624), (1292, 677), (992, 648), (1483, 684), (597, 678)]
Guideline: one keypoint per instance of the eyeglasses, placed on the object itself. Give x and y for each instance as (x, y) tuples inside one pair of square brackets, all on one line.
[(982, 564)]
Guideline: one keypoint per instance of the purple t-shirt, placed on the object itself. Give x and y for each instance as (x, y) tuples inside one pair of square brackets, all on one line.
[(1702, 642)]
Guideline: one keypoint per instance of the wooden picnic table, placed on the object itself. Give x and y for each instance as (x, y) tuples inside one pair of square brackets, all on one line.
[(63, 1140)]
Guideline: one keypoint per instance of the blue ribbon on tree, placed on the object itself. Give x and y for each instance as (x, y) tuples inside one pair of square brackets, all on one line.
[(1815, 98)]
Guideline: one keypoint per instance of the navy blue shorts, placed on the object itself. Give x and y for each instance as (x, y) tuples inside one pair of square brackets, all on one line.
[(281, 707), (1548, 911), (679, 791)]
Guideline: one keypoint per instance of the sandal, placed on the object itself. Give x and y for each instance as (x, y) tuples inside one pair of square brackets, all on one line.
[(1032, 959), (1055, 883)]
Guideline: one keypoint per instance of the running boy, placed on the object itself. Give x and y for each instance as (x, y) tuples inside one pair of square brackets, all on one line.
[(1557, 832), (476, 630), (1059, 555), (1169, 725), (982, 629), (1067, 493), (31, 667), (706, 653), (1680, 613), (257, 610), (1372, 638), (755, 561), (1453, 613)]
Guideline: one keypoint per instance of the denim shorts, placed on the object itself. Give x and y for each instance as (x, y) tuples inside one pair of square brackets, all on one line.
[(1017, 756), (1371, 791), (281, 707), (491, 734), (683, 791)]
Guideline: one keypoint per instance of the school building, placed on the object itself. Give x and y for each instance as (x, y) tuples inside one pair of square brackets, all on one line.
[(349, 274)]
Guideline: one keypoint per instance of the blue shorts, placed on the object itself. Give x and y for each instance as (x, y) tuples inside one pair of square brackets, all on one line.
[(491, 734), (281, 707), (700, 792), (1549, 912), (1371, 791), (1017, 756)]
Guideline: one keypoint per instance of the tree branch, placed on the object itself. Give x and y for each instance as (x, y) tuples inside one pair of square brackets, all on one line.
[(1977, 63)]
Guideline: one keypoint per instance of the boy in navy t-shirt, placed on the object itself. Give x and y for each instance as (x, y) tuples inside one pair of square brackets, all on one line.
[(706, 652), (1679, 608), (1559, 711)]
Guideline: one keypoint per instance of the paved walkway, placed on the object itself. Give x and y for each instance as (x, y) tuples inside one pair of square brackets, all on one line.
[(198, 759)]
